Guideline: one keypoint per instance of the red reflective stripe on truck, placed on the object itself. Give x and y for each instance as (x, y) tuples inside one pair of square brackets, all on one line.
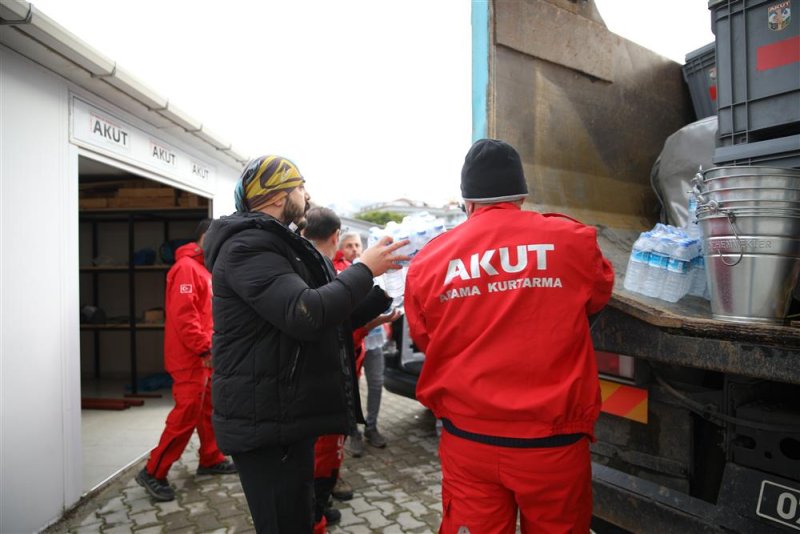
[(624, 401), (778, 54)]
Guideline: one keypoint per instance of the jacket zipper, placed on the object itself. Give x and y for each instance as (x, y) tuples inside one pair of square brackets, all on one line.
[(293, 368)]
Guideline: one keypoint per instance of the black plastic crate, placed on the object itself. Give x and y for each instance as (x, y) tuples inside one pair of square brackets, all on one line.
[(758, 69), (700, 73), (780, 152)]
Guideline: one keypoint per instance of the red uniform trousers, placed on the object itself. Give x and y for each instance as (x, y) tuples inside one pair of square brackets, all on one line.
[(328, 456), (484, 485), (321, 526), (191, 390)]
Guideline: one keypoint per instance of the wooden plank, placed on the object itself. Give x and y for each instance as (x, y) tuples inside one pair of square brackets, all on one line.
[(88, 403), (143, 395), (92, 203), (146, 192)]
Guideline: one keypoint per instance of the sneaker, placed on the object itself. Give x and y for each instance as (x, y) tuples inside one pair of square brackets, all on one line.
[(355, 445), (374, 438), (332, 516), (225, 467), (160, 490), (342, 490)]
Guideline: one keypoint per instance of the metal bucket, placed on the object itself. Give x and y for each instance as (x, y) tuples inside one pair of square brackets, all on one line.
[(776, 223), (750, 219), (758, 288), (752, 264), (755, 177), (738, 194), (756, 204)]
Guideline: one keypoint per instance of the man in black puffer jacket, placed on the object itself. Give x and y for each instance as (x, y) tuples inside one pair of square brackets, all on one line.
[(283, 373)]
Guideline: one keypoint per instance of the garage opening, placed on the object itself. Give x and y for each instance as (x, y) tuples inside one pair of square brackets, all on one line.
[(130, 227)]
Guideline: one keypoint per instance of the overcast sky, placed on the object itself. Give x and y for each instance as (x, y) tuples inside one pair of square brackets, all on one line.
[(370, 98)]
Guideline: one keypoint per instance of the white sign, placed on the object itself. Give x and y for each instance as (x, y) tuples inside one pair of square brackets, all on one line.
[(106, 133), (163, 155), (109, 132)]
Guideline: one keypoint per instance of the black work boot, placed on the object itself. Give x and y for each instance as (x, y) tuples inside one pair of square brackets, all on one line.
[(225, 467), (159, 489)]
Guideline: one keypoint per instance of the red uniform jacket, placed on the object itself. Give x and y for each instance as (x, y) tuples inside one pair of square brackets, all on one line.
[(188, 325), (340, 264), (499, 305)]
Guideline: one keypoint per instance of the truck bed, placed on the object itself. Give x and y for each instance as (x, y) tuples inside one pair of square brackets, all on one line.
[(685, 333)]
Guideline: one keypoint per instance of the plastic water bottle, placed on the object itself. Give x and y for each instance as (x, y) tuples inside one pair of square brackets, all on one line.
[(394, 283), (697, 273), (418, 229), (657, 267), (437, 228), (692, 227), (375, 235), (394, 280), (676, 281), (418, 239), (405, 250), (375, 338), (638, 263)]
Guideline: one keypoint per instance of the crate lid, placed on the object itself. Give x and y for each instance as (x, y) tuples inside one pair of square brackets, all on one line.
[(709, 48)]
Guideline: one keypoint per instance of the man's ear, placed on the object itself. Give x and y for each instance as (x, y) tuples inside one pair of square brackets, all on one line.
[(334, 239)]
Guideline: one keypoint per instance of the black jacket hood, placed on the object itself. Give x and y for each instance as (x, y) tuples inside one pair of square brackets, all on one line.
[(227, 226)]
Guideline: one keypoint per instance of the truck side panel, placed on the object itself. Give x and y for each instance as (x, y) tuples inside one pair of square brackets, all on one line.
[(588, 117)]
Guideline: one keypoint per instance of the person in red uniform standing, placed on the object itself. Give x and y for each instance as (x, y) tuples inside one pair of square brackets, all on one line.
[(500, 306), (187, 358)]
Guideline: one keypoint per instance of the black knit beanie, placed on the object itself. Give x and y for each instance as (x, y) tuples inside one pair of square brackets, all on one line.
[(492, 172)]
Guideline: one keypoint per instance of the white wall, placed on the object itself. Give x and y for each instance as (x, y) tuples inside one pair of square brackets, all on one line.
[(223, 196), (39, 363), (40, 442)]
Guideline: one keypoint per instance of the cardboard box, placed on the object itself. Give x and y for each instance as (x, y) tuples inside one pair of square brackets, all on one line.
[(190, 200), (151, 192), (156, 315), (92, 203)]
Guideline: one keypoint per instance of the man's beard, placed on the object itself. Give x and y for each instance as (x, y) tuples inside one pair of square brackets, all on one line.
[(294, 213)]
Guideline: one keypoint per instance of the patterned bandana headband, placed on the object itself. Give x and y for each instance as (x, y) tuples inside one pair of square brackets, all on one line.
[(265, 181)]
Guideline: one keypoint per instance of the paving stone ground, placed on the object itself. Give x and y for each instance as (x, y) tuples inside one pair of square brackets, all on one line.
[(397, 489)]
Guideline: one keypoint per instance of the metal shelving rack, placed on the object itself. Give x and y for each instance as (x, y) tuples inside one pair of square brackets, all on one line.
[(131, 216)]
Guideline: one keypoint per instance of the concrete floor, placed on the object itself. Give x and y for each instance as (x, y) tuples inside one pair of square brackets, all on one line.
[(112, 440)]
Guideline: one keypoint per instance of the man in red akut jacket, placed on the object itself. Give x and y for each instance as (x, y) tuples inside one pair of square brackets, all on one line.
[(187, 358), (500, 306)]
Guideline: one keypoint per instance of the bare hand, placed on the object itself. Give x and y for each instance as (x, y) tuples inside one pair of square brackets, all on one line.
[(381, 256), (383, 319)]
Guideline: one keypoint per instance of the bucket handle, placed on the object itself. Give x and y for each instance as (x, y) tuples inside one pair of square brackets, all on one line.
[(713, 206), (697, 186)]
